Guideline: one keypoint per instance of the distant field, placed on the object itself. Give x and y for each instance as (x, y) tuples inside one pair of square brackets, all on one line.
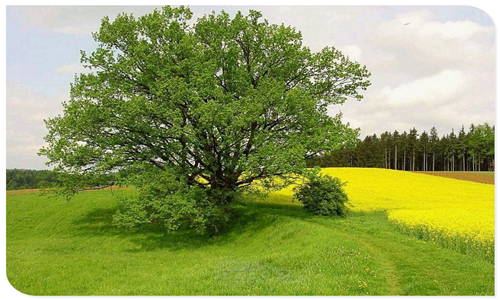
[(25, 191), (481, 177)]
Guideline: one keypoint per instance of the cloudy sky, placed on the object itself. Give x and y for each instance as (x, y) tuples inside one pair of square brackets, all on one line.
[(431, 66)]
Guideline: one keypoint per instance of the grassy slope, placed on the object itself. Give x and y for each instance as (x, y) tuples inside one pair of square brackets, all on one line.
[(481, 177), (56, 247)]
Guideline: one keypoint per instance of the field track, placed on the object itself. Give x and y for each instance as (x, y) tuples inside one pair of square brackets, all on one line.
[(481, 177)]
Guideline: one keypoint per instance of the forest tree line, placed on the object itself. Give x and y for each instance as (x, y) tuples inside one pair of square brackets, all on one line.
[(467, 150), (18, 179)]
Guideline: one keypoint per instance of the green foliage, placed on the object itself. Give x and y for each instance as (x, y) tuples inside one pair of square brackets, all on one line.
[(323, 195), (165, 198), (18, 179), (223, 100), (230, 100)]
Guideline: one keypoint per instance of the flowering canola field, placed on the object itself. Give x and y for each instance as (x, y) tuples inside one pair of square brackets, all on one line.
[(454, 213)]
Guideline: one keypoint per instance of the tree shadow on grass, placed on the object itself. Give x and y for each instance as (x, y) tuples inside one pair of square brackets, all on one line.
[(248, 223), (249, 219), (97, 222)]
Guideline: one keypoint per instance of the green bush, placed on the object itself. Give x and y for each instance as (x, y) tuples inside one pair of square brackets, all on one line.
[(168, 200), (323, 195)]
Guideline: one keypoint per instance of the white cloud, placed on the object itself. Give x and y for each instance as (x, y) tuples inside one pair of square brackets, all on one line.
[(39, 117), (462, 30), (353, 51), (412, 18), (26, 110), (77, 30), (420, 24), (425, 73), (71, 68), (21, 99), (434, 90), (425, 47), (72, 20)]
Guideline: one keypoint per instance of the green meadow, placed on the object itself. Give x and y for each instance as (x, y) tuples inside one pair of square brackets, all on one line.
[(56, 247)]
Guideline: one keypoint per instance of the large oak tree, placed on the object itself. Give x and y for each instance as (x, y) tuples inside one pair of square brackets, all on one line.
[(223, 101)]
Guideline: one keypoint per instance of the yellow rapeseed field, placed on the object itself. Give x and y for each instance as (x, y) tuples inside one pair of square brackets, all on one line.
[(454, 213)]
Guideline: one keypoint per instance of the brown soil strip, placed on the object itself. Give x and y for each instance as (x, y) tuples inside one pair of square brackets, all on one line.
[(481, 177)]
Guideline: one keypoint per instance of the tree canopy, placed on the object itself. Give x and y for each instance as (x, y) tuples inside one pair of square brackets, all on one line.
[(221, 102)]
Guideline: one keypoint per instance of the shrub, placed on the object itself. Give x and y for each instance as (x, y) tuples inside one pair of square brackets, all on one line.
[(168, 200), (323, 195)]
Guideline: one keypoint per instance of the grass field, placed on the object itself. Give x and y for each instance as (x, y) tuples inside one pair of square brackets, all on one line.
[(481, 177), (55, 247)]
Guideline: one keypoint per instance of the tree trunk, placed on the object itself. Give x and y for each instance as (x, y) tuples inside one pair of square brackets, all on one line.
[(395, 157), (385, 157), (423, 166), (433, 161), (404, 159), (413, 161), (389, 160)]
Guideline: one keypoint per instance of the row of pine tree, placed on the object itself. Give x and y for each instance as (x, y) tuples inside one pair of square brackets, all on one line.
[(467, 150)]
